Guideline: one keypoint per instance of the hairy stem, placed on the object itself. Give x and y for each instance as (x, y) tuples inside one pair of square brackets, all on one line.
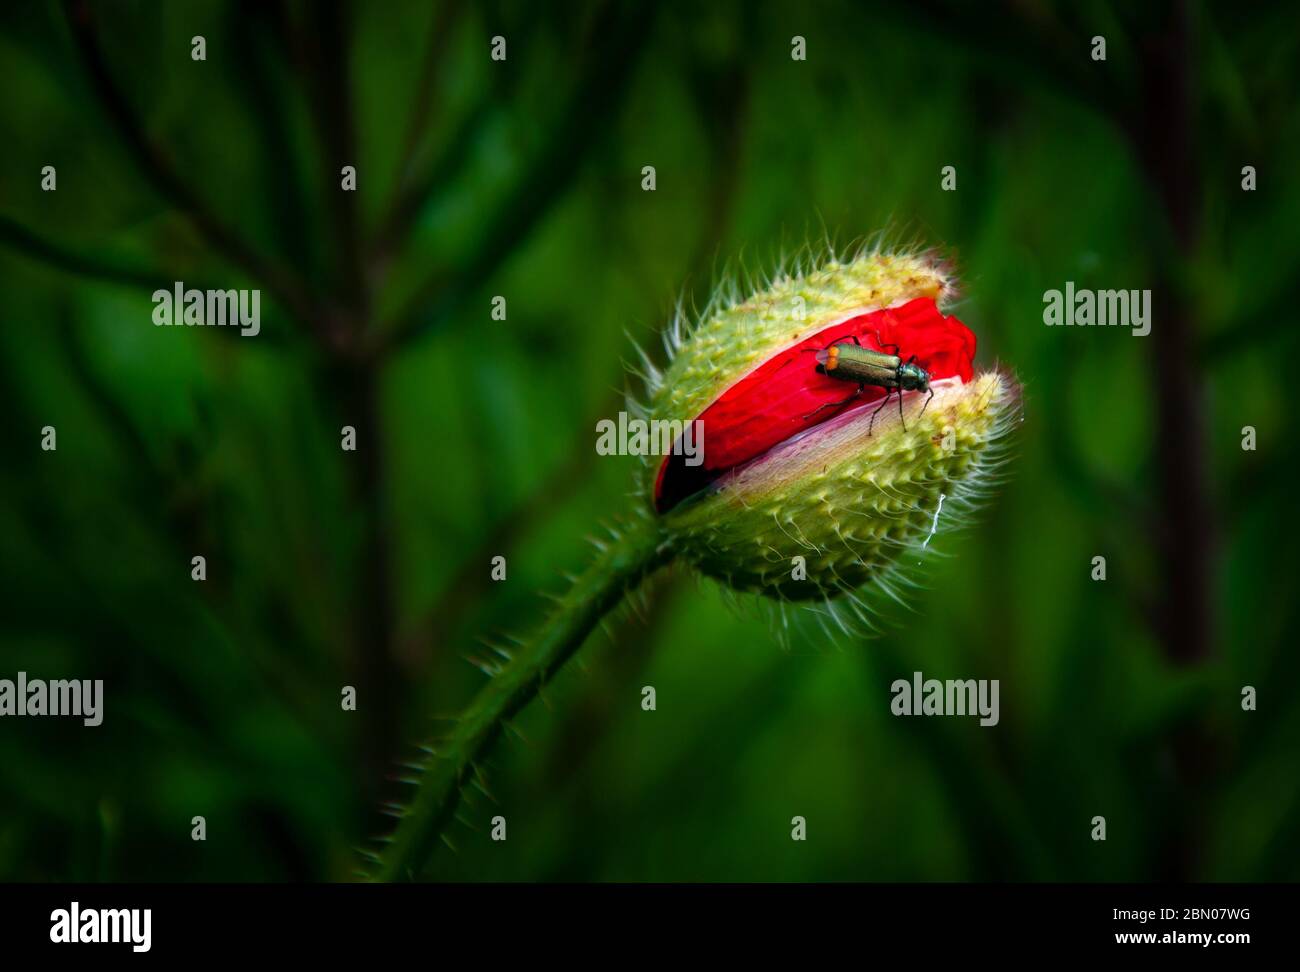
[(619, 569)]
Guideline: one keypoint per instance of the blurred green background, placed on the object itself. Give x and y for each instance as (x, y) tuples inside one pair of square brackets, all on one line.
[(522, 178)]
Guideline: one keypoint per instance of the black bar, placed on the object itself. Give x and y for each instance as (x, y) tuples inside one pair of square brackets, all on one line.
[(333, 921)]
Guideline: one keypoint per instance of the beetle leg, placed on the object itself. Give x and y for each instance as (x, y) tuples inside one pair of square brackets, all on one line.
[(839, 404), (883, 402)]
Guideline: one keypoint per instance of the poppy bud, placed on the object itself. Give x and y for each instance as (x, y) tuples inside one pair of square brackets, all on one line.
[(795, 461), (799, 462)]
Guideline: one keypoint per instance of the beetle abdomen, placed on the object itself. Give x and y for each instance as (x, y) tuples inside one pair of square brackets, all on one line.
[(849, 362)]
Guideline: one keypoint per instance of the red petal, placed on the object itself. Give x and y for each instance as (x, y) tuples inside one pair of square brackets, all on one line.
[(785, 395)]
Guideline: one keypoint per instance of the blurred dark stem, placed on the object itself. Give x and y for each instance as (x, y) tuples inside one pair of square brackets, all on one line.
[(410, 200), (409, 194), (38, 248), (356, 387), (356, 381), (326, 54), (158, 171), (722, 97), (1021, 40), (262, 33), (614, 48), (1164, 137)]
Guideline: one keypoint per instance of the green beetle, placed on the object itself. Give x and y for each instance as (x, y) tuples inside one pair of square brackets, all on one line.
[(863, 366)]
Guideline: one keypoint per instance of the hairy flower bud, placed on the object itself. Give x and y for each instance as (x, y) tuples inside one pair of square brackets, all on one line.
[(812, 485), (808, 485)]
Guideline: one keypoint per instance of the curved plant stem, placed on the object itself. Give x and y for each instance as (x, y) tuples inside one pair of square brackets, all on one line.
[(620, 568)]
